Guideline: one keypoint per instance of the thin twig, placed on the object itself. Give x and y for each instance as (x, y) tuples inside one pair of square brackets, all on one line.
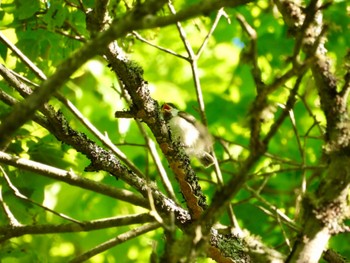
[(252, 52), (166, 50), (98, 224), (194, 67), (222, 197), (289, 105), (9, 215), (219, 14), (286, 239), (163, 175), (23, 57), (77, 37), (302, 191), (115, 241), (289, 222), (18, 194)]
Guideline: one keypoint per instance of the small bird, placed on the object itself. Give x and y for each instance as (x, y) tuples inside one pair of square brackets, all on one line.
[(191, 134)]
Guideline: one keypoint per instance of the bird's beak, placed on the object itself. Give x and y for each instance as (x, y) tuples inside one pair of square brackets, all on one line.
[(166, 108), (167, 111)]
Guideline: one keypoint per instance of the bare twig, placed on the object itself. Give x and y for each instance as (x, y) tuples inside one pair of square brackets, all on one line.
[(115, 241), (23, 57), (163, 175), (21, 230), (124, 114), (252, 53), (166, 50), (276, 212), (9, 215), (220, 13), (18, 194), (193, 58), (76, 37)]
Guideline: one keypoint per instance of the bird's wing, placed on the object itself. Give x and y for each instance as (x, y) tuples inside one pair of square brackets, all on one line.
[(204, 133), (187, 117)]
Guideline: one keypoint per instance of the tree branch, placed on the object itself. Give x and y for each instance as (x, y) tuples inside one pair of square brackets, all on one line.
[(116, 241), (23, 57), (20, 230), (71, 178)]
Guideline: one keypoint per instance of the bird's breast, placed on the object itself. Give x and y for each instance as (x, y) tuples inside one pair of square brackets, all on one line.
[(183, 130)]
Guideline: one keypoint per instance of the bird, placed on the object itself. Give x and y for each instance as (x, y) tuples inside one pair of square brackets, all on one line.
[(192, 135)]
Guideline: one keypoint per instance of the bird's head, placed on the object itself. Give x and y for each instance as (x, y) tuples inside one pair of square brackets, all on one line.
[(169, 110)]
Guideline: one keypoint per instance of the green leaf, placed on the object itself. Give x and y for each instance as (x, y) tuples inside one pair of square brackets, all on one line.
[(26, 9)]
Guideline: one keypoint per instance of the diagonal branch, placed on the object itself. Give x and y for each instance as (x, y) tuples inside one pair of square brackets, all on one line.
[(23, 57), (115, 241)]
